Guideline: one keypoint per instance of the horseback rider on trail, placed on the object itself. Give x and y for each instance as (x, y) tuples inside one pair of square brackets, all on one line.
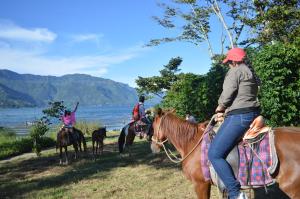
[(69, 120), (139, 115)]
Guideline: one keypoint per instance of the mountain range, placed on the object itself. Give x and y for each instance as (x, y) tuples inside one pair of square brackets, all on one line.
[(21, 90)]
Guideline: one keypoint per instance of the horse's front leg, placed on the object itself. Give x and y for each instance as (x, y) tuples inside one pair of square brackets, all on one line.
[(101, 148), (202, 190), (66, 154), (76, 150), (60, 155)]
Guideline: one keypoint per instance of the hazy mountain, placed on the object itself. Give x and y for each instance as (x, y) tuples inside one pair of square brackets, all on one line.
[(18, 90)]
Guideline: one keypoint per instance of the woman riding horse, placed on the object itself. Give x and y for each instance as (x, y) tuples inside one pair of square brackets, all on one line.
[(239, 99)]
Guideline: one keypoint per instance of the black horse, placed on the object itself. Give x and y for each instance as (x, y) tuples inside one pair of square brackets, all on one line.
[(126, 139), (67, 137)]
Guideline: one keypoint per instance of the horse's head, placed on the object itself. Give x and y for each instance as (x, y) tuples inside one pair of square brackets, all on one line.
[(158, 137), (102, 130)]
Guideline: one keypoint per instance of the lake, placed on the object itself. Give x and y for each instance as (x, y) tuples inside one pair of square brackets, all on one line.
[(113, 117)]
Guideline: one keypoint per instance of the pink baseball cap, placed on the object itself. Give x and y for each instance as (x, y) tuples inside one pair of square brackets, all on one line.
[(235, 54)]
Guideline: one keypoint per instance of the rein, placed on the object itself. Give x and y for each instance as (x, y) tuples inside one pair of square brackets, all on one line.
[(178, 160)]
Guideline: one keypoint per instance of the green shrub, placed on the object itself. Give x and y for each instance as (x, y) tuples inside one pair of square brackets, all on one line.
[(15, 147), (278, 67), (11, 147)]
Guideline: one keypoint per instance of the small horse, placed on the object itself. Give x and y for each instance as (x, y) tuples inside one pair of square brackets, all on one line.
[(186, 138), (125, 141), (65, 139), (98, 137)]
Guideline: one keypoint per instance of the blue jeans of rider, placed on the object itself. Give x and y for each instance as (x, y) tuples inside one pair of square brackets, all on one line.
[(229, 134)]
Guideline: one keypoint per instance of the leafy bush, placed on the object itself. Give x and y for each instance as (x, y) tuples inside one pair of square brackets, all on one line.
[(36, 132), (11, 147), (15, 147), (278, 66)]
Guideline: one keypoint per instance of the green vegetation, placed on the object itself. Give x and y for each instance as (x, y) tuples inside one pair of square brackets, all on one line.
[(273, 50), (143, 175), (32, 90), (11, 145)]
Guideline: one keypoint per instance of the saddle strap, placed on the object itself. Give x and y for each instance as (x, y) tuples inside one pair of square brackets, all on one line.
[(274, 157)]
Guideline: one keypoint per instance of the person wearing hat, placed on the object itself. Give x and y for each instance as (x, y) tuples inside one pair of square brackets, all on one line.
[(239, 101), (69, 119)]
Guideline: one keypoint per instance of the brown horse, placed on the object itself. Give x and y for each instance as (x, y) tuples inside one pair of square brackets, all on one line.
[(186, 138), (98, 137), (65, 139)]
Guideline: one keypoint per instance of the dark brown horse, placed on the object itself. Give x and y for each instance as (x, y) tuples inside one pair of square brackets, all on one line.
[(127, 136), (65, 139), (186, 138), (98, 137)]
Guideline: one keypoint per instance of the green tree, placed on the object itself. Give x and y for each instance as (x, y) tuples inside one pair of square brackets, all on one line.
[(278, 67), (158, 85), (55, 110), (274, 20), (37, 131)]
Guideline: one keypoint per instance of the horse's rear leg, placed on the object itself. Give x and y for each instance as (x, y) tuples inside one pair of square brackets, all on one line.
[(93, 143), (76, 150), (203, 190), (79, 144)]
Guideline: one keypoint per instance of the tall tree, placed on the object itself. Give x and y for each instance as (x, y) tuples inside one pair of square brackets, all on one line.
[(274, 20), (243, 22), (158, 85)]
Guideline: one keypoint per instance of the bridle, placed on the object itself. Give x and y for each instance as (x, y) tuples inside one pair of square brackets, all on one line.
[(161, 143)]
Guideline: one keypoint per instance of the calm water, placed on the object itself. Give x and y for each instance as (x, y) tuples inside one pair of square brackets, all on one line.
[(113, 117)]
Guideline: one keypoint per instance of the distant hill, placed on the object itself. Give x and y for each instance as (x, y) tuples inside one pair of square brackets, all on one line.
[(18, 90)]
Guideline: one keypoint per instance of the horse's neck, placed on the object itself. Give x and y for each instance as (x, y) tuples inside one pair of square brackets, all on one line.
[(188, 145)]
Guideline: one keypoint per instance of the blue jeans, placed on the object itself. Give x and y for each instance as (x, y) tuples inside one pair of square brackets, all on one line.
[(229, 134)]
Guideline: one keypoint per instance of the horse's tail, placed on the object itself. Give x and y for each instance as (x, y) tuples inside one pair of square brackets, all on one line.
[(121, 140)]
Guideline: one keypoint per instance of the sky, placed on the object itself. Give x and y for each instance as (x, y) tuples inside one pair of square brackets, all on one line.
[(102, 38)]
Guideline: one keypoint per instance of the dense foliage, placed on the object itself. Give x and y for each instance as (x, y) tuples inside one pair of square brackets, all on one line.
[(197, 94), (14, 146), (278, 66)]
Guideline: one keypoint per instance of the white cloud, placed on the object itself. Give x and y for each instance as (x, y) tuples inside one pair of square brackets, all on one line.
[(26, 50), (36, 63), (10, 31), (86, 37)]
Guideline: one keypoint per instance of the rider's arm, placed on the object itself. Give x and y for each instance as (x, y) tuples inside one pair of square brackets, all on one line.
[(76, 107)]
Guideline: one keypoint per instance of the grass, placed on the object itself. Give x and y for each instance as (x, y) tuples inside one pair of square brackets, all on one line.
[(143, 175)]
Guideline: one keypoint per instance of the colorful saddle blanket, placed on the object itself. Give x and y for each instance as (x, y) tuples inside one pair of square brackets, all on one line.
[(253, 164)]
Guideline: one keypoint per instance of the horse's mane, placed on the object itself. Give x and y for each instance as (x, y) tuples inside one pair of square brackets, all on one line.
[(180, 131)]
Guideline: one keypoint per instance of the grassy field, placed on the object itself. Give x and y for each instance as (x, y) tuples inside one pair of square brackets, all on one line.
[(143, 175)]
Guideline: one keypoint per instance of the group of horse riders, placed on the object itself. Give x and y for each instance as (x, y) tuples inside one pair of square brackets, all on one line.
[(139, 118)]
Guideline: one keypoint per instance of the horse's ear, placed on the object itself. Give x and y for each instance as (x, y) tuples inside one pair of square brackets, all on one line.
[(173, 110), (203, 125), (159, 111)]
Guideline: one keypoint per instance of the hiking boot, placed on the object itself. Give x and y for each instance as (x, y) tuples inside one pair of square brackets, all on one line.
[(242, 195)]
